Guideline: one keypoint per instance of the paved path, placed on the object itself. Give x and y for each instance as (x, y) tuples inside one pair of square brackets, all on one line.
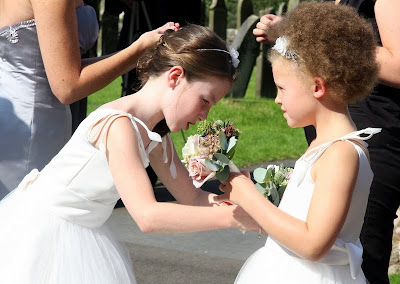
[(194, 258), (203, 257)]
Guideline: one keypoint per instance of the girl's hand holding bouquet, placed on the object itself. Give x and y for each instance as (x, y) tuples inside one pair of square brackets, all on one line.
[(209, 153)]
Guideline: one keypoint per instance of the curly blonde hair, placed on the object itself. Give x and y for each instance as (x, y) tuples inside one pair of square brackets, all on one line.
[(333, 43)]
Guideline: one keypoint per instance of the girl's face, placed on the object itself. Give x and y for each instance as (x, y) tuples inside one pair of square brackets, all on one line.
[(194, 100), (295, 93)]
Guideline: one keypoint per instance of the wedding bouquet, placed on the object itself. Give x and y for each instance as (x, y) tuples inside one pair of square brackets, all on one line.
[(209, 153), (272, 181)]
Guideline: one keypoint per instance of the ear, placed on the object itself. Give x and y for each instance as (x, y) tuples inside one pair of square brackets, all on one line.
[(175, 76), (319, 87)]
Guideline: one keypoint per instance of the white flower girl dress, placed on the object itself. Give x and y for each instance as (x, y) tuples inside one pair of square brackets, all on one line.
[(52, 224), (273, 263)]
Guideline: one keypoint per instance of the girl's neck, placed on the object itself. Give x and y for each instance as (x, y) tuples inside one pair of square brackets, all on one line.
[(144, 104), (332, 125)]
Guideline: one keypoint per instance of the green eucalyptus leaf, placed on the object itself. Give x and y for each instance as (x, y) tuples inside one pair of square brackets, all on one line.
[(224, 174), (231, 153), (212, 165), (274, 196), (270, 174), (223, 141), (221, 158), (270, 186), (259, 175), (260, 188), (281, 191)]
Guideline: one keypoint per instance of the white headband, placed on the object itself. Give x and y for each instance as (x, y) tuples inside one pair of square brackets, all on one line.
[(233, 53), (281, 46)]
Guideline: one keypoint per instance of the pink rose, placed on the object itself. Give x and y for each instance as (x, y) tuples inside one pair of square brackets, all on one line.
[(199, 172)]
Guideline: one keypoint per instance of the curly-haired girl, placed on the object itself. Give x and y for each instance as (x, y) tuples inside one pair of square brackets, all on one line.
[(52, 224), (313, 236)]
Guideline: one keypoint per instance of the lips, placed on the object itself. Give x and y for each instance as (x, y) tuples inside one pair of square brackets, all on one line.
[(188, 124)]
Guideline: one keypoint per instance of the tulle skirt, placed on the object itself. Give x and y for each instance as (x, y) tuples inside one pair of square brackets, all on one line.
[(269, 266), (39, 247)]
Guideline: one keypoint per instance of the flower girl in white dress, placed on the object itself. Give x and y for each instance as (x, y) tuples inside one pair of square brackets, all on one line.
[(52, 225), (323, 60)]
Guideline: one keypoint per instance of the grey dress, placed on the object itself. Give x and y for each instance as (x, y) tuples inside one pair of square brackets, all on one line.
[(34, 125)]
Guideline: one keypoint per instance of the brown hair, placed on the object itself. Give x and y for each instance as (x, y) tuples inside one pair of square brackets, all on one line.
[(333, 43), (185, 48)]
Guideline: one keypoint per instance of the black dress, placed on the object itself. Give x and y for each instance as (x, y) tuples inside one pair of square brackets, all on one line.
[(381, 109)]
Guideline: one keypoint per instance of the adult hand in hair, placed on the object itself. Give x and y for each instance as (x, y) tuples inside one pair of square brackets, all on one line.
[(264, 30), (150, 37)]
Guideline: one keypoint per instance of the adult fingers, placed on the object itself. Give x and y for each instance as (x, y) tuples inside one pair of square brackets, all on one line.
[(246, 174), (270, 19)]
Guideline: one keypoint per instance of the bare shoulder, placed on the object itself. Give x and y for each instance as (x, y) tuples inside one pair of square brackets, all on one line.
[(340, 159), (341, 151), (121, 130)]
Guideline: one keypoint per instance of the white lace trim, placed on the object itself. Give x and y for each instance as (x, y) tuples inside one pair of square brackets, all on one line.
[(11, 32)]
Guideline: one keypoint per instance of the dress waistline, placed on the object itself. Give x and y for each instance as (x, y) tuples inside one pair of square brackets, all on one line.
[(341, 253)]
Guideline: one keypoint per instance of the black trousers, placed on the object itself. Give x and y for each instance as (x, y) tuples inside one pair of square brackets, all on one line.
[(384, 198)]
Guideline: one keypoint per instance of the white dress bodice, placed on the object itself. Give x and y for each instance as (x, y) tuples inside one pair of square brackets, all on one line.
[(342, 264), (77, 184)]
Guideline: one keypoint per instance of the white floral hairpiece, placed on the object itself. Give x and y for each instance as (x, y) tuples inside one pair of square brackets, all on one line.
[(233, 53), (281, 46), (234, 57)]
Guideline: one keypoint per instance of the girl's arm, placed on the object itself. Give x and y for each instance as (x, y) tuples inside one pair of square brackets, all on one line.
[(181, 187), (387, 13), (136, 191), (334, 185), (69, 80)]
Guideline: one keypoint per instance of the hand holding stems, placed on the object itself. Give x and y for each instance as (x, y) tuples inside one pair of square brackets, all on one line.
[(244, 221), (235, 189), (264, 30)]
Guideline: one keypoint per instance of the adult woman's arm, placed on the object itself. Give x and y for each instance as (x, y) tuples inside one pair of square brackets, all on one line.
[(69, 79), (387, 13)]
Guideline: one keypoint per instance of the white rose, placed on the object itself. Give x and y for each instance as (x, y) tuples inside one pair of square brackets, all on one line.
[(191, 147)]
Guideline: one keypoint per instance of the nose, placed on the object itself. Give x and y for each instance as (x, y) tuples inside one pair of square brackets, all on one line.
[(278, 99), (203, 115)]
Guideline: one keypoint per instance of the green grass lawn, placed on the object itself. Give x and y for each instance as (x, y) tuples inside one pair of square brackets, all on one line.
[(394, 279), (265, 137)]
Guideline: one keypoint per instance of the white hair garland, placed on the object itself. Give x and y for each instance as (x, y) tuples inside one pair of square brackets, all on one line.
[(281, 46), (233, 53)]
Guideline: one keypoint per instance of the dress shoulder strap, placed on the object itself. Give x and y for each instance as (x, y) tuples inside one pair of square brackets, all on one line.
[(356, 138), (99, 127), (99, 130), (361, 135)]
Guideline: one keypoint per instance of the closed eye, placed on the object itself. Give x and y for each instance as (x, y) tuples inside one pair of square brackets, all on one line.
[(206, 102)]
